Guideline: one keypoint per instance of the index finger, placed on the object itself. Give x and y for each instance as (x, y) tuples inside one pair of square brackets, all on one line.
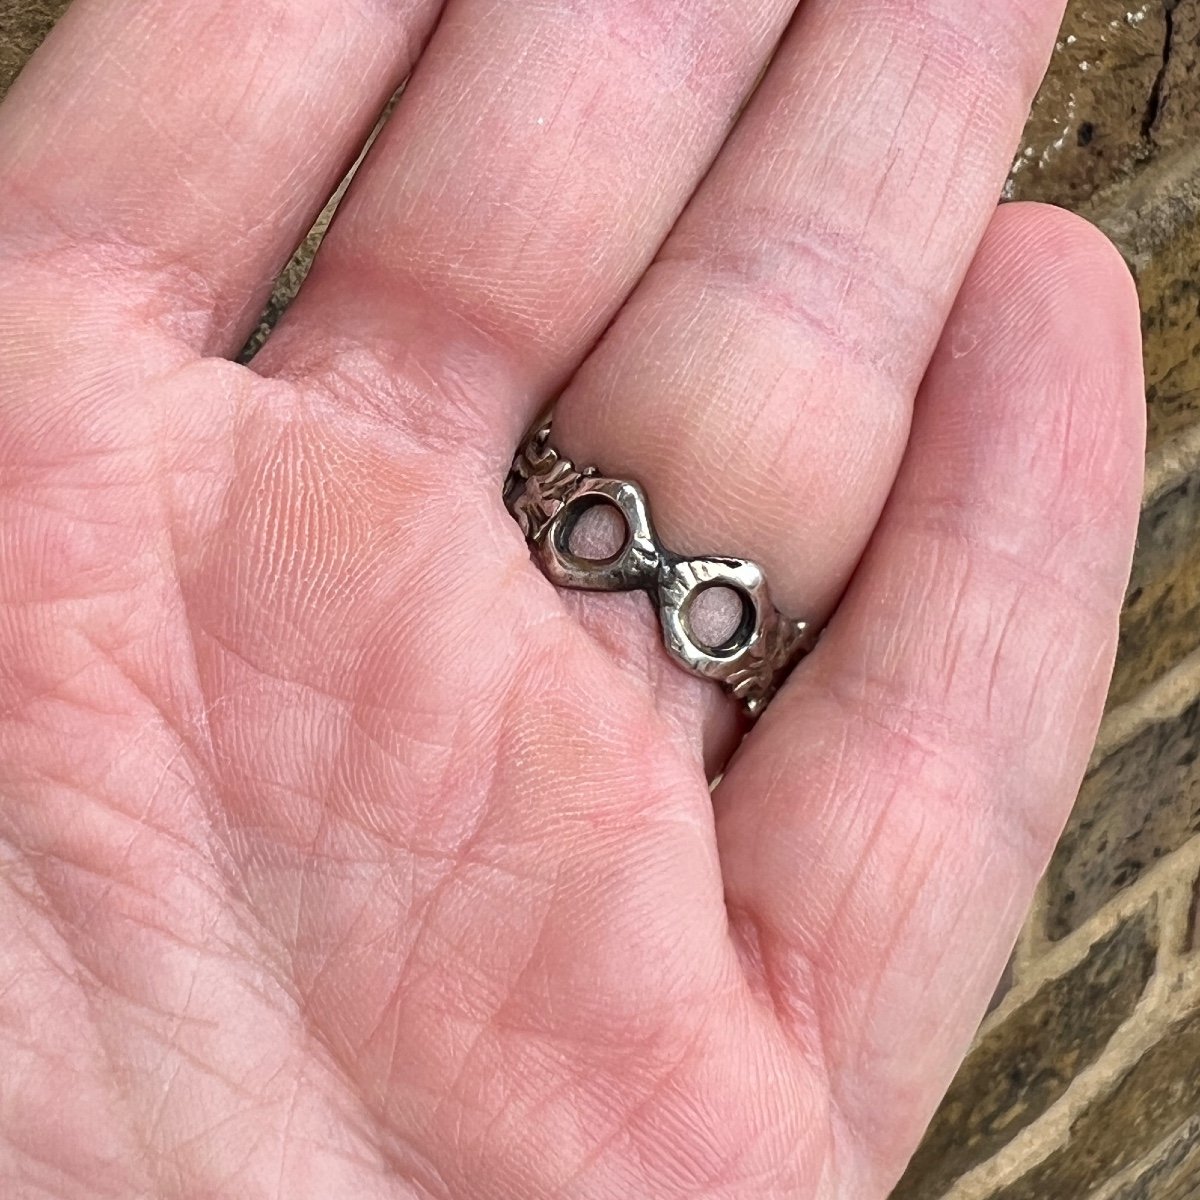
[(178, 152)]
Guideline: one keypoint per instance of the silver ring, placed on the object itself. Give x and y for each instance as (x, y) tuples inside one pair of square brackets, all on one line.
[(547, 494)]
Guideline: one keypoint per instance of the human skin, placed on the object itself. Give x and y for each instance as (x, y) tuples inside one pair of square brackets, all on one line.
[(341, 854)]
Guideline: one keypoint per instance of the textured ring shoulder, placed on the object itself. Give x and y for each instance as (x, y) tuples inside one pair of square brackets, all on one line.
[(547, 494)]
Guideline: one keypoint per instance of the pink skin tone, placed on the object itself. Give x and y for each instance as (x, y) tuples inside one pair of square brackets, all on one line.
[(341, 855)]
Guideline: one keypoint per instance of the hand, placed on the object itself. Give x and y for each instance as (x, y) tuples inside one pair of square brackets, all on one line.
[(343, 855)]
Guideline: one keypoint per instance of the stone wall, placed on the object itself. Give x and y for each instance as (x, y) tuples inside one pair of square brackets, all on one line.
[(1084, 1083)]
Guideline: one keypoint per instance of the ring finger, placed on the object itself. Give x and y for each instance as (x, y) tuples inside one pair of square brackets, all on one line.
[(759, 381)]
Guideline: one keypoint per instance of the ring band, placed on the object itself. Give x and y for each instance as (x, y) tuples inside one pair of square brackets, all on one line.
[(547, 494)]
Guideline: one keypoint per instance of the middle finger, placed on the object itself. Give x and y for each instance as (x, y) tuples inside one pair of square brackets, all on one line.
[(538, 157), (759, 381)]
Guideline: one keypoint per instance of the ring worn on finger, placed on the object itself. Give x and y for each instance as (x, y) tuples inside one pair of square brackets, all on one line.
[(548, 495)]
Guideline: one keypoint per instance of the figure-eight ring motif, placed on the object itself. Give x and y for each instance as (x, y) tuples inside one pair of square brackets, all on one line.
[(547, 494)]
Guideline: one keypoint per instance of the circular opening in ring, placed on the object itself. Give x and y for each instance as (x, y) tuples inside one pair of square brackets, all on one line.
[(720, 618), (592, 530)]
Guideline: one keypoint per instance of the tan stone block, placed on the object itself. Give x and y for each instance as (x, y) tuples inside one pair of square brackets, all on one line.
[(1170, 1172), (1176, 118), (1023, 1065), (1191, 939), (23, 25), (1153, 1097), (1161, 622), (1154, 217), (1137, 805), (1089, 124)]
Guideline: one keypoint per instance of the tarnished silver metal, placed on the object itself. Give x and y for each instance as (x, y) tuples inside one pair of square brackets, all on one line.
[(548, 494)]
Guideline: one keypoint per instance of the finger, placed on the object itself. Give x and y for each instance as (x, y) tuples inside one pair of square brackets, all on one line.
[(537, 159), (884, 828), (182, 150), (759, 382)]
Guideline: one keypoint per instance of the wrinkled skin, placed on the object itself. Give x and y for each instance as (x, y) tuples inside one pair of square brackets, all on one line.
[(342, 855)]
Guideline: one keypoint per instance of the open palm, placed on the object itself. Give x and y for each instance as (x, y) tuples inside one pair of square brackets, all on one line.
[(344, 856)]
